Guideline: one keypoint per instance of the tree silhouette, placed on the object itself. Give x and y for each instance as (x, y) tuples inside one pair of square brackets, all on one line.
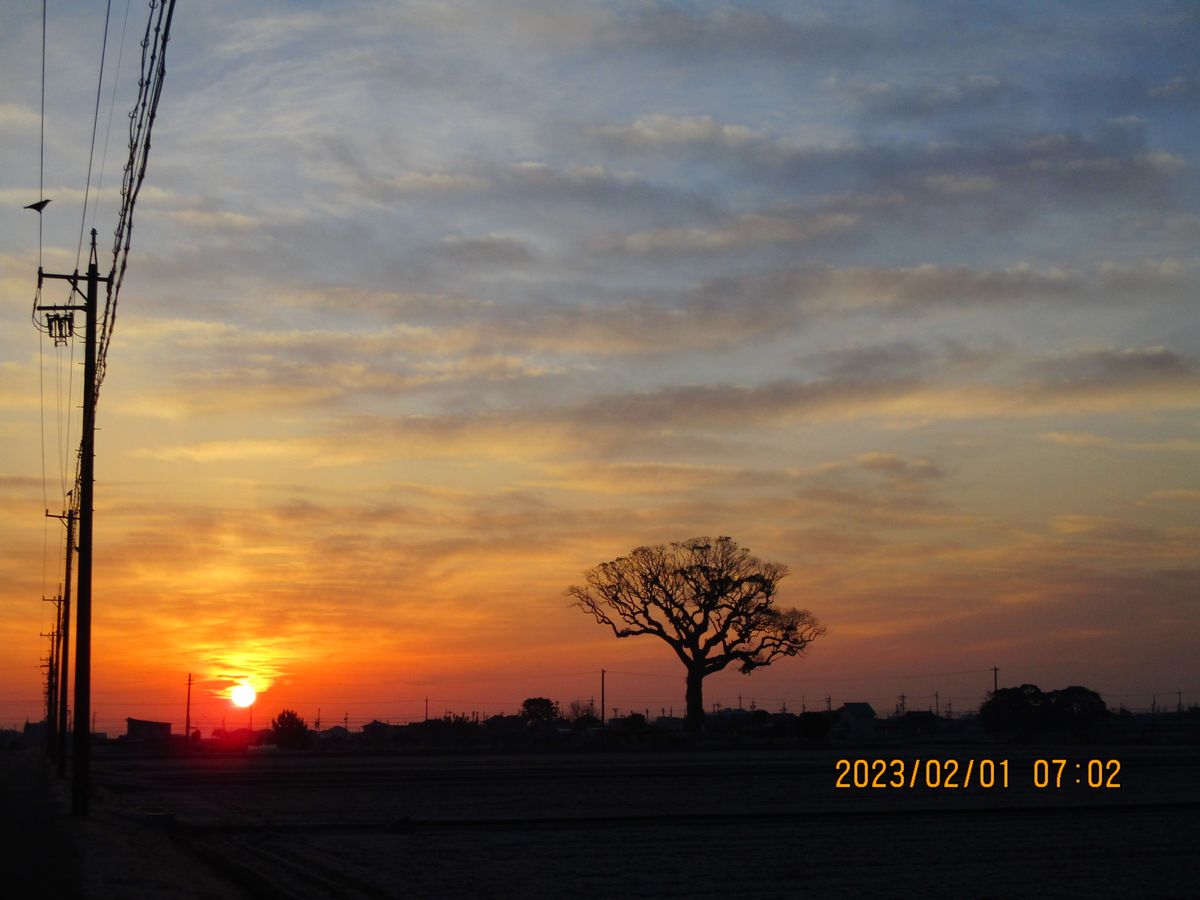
[(1028, 710), (539, 709), (710, 600), (289, 730)]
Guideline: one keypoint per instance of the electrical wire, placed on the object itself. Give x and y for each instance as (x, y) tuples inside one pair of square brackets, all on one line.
[(42, 151), (95, 121), (142, 117), (112, 106)]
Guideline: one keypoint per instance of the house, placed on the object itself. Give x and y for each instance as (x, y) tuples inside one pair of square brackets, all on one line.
[(854, 721)]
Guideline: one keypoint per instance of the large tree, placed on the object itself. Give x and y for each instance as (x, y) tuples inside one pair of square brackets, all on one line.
[(710, 600), (290, 731)]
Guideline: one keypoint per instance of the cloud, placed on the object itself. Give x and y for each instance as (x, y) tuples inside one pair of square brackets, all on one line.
[(741, 232), (615, 423), (488, 251), (1186, 495), (652, 478), (1180, 89), (1093, 368), (664, 132), (1075, 439), (222, 451), (746, 32), (1025, 169), (916, 100), (16, 119), (900, 470)]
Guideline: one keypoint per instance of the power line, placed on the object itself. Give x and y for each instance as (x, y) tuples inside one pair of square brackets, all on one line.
[(112, 107), (95, 121), (141, 124), (42, 152)]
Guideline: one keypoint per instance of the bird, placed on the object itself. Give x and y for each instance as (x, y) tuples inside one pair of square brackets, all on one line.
[(39, 206)]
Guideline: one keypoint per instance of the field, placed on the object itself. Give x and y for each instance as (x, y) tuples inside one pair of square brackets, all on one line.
[(699, 824)]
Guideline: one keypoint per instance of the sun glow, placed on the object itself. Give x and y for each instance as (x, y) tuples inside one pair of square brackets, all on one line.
[(242, 695)]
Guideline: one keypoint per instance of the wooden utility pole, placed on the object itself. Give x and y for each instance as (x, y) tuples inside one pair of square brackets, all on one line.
[(81, 769)]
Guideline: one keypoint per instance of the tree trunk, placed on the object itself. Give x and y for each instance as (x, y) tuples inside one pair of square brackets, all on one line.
[(694, 720)]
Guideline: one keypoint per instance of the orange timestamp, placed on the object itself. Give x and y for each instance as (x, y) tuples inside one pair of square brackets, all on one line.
[(973, 773)]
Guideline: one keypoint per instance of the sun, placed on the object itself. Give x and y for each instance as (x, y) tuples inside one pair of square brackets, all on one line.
[(242, 695)]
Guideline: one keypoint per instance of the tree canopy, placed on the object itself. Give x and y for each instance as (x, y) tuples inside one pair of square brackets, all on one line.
[(710, 600), (539, 709), (1029, 710), (289, 730)]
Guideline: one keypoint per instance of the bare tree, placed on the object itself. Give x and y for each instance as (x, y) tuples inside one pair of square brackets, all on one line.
[(710, 600)]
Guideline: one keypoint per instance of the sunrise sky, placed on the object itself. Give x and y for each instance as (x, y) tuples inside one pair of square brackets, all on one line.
[(432, 306)]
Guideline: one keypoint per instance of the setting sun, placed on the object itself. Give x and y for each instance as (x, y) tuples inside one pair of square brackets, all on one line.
[(243, 695)]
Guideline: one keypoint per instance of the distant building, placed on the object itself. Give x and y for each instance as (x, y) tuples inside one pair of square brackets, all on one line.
[(854, 721), (149, 732), (857, 712)]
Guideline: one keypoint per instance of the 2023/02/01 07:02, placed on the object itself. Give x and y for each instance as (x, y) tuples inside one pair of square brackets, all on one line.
[(968, 773), (1092, 773)]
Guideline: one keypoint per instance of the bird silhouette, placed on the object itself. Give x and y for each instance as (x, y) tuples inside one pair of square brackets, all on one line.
[(39, 206)]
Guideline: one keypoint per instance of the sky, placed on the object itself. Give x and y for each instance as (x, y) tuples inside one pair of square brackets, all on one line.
[(433, 306)]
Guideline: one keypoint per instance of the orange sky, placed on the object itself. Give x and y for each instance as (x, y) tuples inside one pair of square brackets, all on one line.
[(430, 309)]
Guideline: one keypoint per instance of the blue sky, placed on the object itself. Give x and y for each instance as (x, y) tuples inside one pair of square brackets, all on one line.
[(432, 306)]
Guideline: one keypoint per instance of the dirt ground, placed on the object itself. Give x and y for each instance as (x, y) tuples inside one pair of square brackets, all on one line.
[(702, 824)]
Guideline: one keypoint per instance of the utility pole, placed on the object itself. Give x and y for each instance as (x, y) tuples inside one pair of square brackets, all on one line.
[(52, 675), (603, 724), (81, 770), (995, 689), (66, 645), (937, 704), (187, 720)]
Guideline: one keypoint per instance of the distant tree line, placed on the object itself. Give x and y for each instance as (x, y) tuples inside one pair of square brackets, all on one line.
[(1027, 710)]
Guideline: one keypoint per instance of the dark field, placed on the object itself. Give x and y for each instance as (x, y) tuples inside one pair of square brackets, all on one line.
[(697, 824)]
